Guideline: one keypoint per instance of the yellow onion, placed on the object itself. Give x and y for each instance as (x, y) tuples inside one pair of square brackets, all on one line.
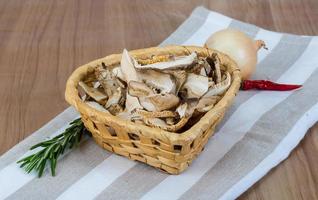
[(241, 48)]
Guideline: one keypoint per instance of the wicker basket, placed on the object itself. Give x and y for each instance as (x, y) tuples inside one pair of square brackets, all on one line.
[(168, 151)]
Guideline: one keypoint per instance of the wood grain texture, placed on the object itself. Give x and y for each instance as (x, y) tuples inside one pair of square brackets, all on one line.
[(41, 43)]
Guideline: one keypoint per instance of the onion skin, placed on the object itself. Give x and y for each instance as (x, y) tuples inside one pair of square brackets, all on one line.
[(241, 48)]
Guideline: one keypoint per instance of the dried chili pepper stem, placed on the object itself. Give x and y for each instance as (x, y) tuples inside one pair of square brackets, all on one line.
[(267, 85)]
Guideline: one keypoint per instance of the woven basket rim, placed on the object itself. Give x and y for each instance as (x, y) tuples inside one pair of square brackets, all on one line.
[(72, 97)]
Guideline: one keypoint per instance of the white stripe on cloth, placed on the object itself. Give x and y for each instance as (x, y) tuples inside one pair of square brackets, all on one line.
[(235, 129), (12, 177), (93, 183), (214, 22), (280, 153)]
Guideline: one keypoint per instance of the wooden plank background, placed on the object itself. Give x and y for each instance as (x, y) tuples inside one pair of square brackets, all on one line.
[(42, 42)]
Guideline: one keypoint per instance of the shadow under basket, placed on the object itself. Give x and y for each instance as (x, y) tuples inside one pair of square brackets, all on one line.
[(168, 151)]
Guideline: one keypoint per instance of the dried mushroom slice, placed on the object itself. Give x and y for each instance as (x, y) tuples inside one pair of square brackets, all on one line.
[(115, 98), (115, 103), (161, 81), (96, 84), (115, 109), (219, 88), (155, 122), (178, 63), (170, 120), (107, 80), (132, 103), (84, 97), (138, 89), (159, 123), (82, 93), (125, 115), (196, 67), (214, 62), (159, 102), (117, 72), (127, 72), (206, 66), (202, 72), (195, 86), (211, 83), (180, 77), (127, 67), (207, 103), (93, 93), (181, 110), (155, 59), (184, 111)]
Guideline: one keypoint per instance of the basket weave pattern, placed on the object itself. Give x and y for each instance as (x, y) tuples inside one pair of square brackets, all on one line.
[(168, 151)]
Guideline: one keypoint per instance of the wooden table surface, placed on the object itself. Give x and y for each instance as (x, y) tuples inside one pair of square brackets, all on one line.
[(42, 42)]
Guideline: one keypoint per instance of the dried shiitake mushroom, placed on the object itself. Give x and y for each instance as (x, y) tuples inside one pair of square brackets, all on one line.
[(163, 91)]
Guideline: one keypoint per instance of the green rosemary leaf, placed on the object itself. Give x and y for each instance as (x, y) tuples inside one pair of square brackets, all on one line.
[(23, 164), (48, 151), (65, 141), (41, 168), (26, 158), (36, 155), (53, 148), (56, 149), (71, 141), (53, 166), (43, 144), (32, 165)]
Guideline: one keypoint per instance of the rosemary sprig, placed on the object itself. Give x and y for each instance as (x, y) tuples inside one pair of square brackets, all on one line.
[(53, 148)]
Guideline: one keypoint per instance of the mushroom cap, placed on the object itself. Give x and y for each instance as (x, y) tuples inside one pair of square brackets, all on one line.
[(132, 103), (92, 92), (127, 67), (162, 81), (138, 89), (220, 87), (195, 86), (159, 102)]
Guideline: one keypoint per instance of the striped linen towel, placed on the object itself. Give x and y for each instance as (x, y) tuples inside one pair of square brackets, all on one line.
[(258, 132)]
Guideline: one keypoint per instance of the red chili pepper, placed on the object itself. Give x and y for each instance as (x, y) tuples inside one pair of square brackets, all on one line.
[(267, 85)]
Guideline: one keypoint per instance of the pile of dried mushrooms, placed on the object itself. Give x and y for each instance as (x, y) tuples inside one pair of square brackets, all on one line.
[(163, 92)]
